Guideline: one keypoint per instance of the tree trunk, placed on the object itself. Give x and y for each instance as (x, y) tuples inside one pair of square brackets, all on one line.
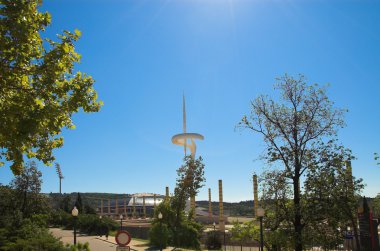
[(297, 214)]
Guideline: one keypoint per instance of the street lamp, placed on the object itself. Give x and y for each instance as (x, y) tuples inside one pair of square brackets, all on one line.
[(160, 218), (260, 213), (121, 222), (100, 228), (224, 239), (74, 213)]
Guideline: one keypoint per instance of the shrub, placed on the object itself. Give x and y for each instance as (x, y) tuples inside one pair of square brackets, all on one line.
[(159, 235), (187, 236), (92, 225), (30, 236), (213, 241)]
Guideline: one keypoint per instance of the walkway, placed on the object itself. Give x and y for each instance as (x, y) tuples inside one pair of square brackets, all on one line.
[(98, 243)]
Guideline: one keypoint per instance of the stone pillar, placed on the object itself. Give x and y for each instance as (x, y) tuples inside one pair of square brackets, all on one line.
[(221, 214), (209, 205), (101, 206), (144, 208), (134, 207), (255, 195)]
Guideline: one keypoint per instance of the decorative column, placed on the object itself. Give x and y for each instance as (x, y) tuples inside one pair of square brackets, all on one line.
[(349, 177), (134, 207), (255, 195), (221, 215), (109, 206), (209, 205), (167, 193), (144, 208), (125, 206), (101, 206), (116, 206)]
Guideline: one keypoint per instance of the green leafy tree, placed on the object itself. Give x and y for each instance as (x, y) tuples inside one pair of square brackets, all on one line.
[(248, 231), (39, 89), (27, 188), (376, 205), (79, 203), (377, 158), (329, 201), (276, 200), (213, 240), (65, 204), (331, 196), (190, 180), (183, 230), (293, 128), (159, 235)]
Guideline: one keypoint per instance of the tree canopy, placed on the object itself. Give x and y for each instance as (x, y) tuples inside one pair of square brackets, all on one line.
[(39, 88), (294, 127)]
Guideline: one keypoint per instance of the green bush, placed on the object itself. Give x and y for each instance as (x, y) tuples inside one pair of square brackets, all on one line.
[(78, 247), (30, 235), (92, 225), (213, 241), (85, 223), (159, 235), (187, 236), (60, 218)]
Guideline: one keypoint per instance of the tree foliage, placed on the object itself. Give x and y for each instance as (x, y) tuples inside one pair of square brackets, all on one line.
[(183, 231), (294, 128), (190, 180), (24, 214), (329, 201), (39, 89), (26, 188)]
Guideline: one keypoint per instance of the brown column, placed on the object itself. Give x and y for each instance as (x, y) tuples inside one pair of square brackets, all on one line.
[(209, 205), (255, 195), (221, 214)]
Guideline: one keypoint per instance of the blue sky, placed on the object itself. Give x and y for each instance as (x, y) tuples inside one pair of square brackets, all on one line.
[(144, 54)]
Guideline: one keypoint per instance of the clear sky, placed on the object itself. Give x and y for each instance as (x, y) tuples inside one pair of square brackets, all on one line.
[(144, 54)]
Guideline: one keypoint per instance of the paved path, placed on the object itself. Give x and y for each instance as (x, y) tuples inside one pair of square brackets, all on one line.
[(98, 243)]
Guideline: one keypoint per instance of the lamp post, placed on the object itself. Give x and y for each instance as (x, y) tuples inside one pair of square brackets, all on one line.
[(260, 213), (74, 213), (160, 218), (121, 222), (100, 228)]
